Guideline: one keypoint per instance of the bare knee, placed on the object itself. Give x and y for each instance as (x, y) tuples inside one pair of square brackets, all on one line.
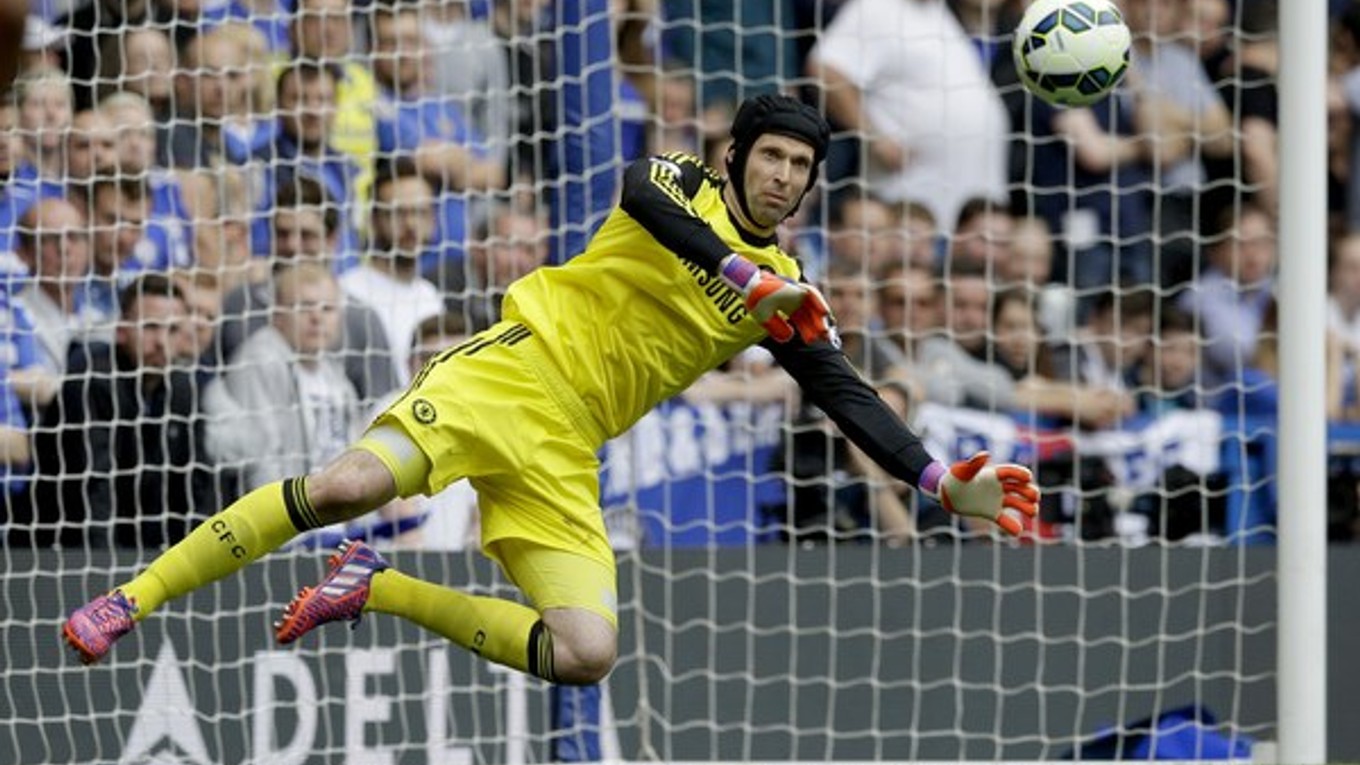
[(351, 485), (585, 645)]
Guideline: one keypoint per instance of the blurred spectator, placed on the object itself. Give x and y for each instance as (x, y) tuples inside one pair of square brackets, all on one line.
[(262, 63), (1343, 210), (169, 224), (42, 45), (16, 194), (322, 33), (134, 125), (982, 237), (1261, 396), (987, 23), (1231, 296), (284, 406), (634, 118), (1343, 328), (1209, 26), (1031, 265), (511, 244), (923, 235), (212, 93), (271, 20), (1245, 76), (42, 119), (904, 76), (1109, 349), (22, 181), (1190, 121), (11, 140), (531, 60), (222, 256), (119, 210), (187, 18), (120, 454), (637, 52), (1087, 175), (1087, 383), (1013, 342), (853, 302), (91, 149), (1170, 380), (1076, 498), (140, 61), (958, 353), (1184, 503), (1343, 297), (429, 129), (966, 356), (301, 148), (740, 49), (865, 233), (305, 228), (89, 28), (676, 127), (45, 113), (389, 281), (1343, 134), (909, 310), (636, 102), (16, 453), (470, 67), (203, 312), (55, 249)]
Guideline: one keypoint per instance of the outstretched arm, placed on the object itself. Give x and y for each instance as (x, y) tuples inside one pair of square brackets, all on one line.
[(657, 193), (970, 487), (832, 385)]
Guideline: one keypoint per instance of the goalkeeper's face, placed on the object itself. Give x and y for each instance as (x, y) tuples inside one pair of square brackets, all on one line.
[(776, 176)]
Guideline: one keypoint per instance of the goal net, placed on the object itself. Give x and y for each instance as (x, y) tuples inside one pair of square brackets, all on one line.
[(233, 231)]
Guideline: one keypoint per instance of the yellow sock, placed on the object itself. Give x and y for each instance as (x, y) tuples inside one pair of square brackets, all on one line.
[(498, 630), (254, 525)]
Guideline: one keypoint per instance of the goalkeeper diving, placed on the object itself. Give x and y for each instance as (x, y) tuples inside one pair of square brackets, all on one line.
[(683, 275)]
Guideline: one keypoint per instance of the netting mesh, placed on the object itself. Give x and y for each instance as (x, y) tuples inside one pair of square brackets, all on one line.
[(234, 231)]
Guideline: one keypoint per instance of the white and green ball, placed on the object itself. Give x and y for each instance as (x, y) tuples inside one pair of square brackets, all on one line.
[(1072, 52)]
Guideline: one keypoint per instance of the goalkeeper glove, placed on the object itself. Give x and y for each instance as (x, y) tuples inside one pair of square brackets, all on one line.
[(971, 488), (781, 305)]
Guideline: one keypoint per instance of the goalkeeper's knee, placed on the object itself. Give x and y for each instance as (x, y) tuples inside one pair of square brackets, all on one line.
[(581, 646)]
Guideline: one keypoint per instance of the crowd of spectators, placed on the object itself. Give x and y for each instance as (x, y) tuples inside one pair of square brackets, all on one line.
[(231, 229)]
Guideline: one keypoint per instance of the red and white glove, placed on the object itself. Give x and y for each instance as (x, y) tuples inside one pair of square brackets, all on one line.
[(972, 488), (781, 305)]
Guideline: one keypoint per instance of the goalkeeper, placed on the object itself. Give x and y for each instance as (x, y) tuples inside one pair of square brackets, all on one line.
[(683, 274)]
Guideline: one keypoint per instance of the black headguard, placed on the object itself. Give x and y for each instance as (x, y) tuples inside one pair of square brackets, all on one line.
[(779, 114)]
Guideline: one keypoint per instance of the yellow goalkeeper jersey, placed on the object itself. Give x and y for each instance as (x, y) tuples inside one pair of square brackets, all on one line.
[(630, 322)]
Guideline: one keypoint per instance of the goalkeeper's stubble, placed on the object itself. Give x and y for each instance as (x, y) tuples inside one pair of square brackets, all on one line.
[(501, 631)]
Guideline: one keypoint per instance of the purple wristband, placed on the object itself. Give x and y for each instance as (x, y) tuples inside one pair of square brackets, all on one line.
[(930, 478), (738, 272)]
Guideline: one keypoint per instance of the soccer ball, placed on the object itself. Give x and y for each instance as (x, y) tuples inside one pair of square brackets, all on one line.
[(1071, 52)]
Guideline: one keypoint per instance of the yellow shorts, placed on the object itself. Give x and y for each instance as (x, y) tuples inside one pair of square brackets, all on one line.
[(552, 578), (496, 411)]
